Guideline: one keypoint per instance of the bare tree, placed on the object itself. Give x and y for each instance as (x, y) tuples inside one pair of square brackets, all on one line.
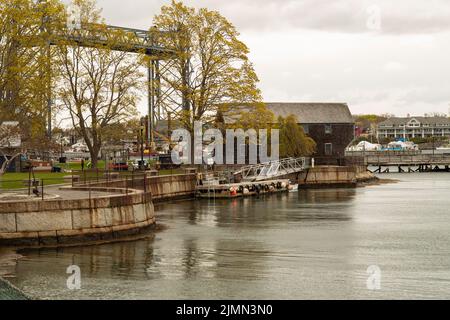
[(98, 87), (9, 140)]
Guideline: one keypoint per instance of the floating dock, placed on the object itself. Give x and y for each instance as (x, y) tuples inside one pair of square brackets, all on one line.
[(244, 189)]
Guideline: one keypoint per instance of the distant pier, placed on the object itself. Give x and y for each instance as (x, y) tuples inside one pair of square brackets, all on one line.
[(408, 163)]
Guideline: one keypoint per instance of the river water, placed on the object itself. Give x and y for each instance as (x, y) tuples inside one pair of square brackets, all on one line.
[(315, 244)]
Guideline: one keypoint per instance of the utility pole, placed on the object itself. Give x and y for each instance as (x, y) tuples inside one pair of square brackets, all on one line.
[(151, 102), (46, 52)]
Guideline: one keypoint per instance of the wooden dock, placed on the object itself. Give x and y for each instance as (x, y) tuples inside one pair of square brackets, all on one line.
[(409, 163), (245, 189)]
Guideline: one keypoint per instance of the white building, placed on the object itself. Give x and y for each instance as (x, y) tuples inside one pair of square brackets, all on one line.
[(414, 127)]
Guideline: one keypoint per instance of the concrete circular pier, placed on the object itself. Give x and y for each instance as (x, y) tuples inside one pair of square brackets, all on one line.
[(97, 212), (74, 215)]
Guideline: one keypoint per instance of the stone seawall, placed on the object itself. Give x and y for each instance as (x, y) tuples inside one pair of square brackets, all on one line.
[(161, 187), (125, 210), (334, 176), (169, 187), (59, 221)]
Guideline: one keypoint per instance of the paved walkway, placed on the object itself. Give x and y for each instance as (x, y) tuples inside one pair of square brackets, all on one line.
[(52, 193), (76, 194)]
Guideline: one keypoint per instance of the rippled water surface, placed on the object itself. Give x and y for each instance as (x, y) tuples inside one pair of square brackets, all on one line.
[(314, 244)]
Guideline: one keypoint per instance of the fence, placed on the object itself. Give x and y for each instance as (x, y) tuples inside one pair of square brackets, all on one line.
[(408, 159), (339, 161), (386, 152)]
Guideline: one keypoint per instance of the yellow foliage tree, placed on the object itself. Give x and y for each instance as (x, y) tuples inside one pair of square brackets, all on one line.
[(212, 67), (25, 71)]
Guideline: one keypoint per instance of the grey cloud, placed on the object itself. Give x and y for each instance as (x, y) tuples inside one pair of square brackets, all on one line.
[(402, 69), (346, 16), (412, 16)]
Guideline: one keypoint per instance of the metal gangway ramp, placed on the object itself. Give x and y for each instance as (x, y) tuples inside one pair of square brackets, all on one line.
[(273, 169)]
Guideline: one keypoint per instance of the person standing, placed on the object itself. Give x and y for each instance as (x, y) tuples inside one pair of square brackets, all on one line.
[(82, 164)]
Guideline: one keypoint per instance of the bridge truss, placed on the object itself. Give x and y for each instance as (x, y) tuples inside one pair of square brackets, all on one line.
[(162, 99)]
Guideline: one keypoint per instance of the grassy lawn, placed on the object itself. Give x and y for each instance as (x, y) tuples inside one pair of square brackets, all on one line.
[(15, 180)]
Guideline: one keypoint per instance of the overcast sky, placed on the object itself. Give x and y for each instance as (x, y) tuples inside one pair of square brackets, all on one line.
[(378, 56)]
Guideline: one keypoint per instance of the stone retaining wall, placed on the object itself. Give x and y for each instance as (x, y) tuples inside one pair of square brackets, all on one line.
[(326, 176), (177, 186), (363, 175), (52, 222), (161, 187)]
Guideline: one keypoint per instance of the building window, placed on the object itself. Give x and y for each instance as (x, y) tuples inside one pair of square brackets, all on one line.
[(414, 123), (328, 149), (328, 129), (306, 128)]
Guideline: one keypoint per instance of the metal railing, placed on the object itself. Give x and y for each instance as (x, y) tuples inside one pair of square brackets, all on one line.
[(408, 159), (380, 152), (272, 169), (36, 187)]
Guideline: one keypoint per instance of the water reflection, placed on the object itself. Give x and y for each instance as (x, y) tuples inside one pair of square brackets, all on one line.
[(265, 211), (314, 244)]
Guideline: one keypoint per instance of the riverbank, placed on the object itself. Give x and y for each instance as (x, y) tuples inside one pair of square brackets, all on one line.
[(9, 292), (8, 260)]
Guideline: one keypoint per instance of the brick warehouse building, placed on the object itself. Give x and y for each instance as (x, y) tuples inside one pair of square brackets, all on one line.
[(330, 125)]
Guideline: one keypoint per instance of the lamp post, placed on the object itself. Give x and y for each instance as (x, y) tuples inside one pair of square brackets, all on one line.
[(61, 150), (142, 131)]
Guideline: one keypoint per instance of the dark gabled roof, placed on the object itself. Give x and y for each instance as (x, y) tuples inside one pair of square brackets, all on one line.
[(432, 121), (310, 113)]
